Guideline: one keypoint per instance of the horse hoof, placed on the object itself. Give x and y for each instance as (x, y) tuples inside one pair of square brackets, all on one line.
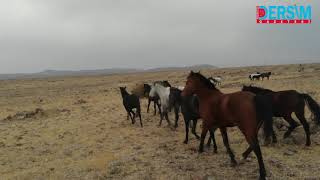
[(185, 142), (215, 151), (200, 151)]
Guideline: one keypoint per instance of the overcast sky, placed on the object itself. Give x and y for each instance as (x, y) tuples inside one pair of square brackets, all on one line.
[(74, 34)]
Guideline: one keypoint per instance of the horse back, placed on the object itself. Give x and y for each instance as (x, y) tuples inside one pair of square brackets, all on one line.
[(286, 101), (231, 108)]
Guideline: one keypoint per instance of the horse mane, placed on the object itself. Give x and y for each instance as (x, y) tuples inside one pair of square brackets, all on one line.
[(203, 79)]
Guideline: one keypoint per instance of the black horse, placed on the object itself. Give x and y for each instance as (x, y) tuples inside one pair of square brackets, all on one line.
[(284, 103), (265, 75), (130, 102), (190, 110)]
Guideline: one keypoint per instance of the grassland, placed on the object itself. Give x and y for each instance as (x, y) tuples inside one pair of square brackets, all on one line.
[(76, 128)]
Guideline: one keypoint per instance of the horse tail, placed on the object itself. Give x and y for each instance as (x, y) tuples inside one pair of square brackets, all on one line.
[(313, 106), (264, 113)]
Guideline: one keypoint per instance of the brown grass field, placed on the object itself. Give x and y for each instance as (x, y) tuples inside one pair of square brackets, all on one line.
[(80, 131)]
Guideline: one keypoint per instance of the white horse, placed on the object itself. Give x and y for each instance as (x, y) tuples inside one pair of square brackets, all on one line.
[(163, 93), (255, 76), (215, 80)]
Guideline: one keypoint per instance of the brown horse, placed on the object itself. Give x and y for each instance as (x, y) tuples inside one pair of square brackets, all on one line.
[(243, 109), (284, 103)]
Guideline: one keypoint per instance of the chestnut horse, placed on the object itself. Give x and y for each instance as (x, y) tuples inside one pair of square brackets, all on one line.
[(243, 109)]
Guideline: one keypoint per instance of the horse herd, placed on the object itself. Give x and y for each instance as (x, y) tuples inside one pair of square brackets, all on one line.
[(258, 76), (248, 109)]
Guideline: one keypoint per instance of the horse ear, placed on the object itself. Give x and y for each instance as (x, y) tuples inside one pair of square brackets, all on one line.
[(191, 72)]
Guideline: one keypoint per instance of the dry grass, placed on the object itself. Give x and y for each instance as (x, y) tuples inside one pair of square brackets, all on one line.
[(82, 131)]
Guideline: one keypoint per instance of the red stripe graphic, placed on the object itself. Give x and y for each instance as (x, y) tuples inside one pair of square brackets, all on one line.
[(284, 21)]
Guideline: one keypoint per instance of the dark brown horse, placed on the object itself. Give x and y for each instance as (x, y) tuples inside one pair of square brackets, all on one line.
[(243, 109), (284, 103)]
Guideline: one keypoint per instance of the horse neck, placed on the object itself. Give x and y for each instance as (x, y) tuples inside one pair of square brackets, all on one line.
[(124, 93), (203, 93)]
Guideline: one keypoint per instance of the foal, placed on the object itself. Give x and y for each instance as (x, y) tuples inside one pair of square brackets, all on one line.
[(242, 109), (130, 102)]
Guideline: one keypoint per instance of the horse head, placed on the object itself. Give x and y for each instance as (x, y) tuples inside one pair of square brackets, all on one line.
[(123, 91), (194, 82)]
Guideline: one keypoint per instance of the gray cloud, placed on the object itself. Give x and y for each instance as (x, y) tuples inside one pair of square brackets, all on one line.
[(75, 34)]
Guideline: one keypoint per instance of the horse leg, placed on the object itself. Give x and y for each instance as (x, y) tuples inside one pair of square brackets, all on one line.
[(209, 142), (194, 129), (186, 122), (226, 144), (176, 112), (257, 151), (149, 101), (300, 116), (129, 114), (167, 118), (159, 108), (203, 136), (274, 138), (154, 108), (139, 113), (293, 124), (134, 115), (247, 152), (215, 148), (256, 148), (252, 139), (161, 117)]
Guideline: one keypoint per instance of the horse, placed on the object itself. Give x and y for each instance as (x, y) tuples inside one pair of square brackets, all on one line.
[(163, 93), (163, 83), (190, 110), (130, 102), (245, 110), (155, 99), (216, 80), (267, 75), (284, 103), (255, 76)]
